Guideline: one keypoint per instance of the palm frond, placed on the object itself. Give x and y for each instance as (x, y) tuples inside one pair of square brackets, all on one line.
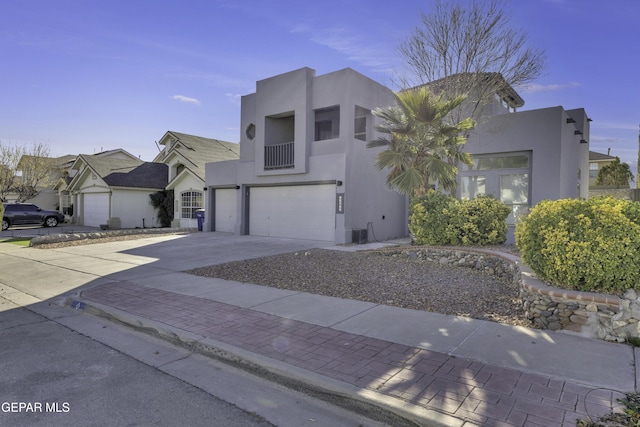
[(408, 181)]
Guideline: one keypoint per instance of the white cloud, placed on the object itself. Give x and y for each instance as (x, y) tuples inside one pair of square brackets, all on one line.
[(533, 87), (186, 99)]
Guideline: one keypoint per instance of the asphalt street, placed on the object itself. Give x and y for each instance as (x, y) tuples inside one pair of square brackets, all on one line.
[(54, 376)]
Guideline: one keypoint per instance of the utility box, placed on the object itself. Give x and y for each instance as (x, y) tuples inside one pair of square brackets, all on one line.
[(359, 236), (114, 223)]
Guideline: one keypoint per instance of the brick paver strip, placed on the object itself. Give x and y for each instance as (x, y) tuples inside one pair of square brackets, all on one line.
[(479, 393)]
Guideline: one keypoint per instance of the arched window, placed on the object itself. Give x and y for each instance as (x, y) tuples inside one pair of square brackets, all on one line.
[(179, 168), (190, 202)]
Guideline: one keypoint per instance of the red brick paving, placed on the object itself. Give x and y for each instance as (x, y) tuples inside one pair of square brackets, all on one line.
[(480, 393)]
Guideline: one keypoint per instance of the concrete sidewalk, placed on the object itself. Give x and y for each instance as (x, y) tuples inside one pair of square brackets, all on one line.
[(431, 368)]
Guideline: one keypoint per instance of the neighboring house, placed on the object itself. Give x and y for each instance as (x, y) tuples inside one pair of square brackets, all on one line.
[(305, 172), (304, 169), (47, 197), (64, 197), (186, 157), (596, 162), (115, 190)]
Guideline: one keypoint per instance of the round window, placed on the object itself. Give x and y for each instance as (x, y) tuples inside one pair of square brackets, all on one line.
[(251, 131)]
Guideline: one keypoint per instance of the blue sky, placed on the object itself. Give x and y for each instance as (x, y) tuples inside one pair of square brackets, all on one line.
[(86, 75)]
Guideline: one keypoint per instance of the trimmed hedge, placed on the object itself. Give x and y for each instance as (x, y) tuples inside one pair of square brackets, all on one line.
[(586, 245), (438, 219)]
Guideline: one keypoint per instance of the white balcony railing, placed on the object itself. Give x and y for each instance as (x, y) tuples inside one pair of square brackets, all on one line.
[(279, 156)]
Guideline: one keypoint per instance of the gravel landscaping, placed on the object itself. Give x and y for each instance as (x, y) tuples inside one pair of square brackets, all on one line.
[(369, 276)]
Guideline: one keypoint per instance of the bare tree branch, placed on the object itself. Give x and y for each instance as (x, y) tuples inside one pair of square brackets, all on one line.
[(474, 41), (25, 171)]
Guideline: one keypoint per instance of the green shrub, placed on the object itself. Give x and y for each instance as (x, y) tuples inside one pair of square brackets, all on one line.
[(438, 219), (584, 245), (163, 202), (482, 221)]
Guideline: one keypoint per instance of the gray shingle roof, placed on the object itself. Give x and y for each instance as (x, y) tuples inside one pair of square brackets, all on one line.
[(599, 156), (129, 172), (200, 151)]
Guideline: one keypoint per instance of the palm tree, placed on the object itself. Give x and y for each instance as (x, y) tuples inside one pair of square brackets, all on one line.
[(422, 143)]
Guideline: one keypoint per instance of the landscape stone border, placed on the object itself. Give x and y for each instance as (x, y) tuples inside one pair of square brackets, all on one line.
[(58, 238), (595, 315)]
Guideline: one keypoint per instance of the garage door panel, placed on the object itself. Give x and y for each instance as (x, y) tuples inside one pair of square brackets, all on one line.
[(301, 212), (225, 219), (96, 209)]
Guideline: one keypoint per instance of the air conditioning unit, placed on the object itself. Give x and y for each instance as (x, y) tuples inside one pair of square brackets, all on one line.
[(359, 236)]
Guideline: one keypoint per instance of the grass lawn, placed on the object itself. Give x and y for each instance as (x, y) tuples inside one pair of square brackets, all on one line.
[(20, 241)]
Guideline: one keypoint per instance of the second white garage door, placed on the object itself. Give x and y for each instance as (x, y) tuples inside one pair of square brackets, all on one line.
[(225, 209), (298, 212), (96, 209)]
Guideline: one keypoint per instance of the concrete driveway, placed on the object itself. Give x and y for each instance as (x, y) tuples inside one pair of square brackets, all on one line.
[(53, 272)]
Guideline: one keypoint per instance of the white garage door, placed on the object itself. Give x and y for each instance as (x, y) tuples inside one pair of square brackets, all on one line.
[(225, 210), (298, 212), (96, 209)]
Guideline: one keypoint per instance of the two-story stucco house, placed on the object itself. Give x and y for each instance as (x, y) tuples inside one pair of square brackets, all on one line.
[(304, 169), (305, 172)]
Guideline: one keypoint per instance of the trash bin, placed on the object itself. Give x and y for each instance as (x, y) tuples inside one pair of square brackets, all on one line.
[(200, 218)]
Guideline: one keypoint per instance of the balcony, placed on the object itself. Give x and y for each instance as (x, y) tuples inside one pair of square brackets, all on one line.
[(279, 156)]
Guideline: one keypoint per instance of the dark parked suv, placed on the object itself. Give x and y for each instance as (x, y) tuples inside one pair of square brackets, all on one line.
[(26, 213)]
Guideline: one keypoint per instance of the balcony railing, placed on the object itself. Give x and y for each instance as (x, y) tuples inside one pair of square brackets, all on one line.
[(279, 156)]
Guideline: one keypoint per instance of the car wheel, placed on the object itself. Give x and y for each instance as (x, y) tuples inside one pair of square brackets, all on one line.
[(51, 221), (5, 224)]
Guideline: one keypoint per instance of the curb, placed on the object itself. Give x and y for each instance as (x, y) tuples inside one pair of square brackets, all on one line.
[(376, 406)]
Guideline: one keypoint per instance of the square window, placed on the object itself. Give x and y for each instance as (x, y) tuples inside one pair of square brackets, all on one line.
[(360, 123), (327, 123), (324, 130), (191, 201)]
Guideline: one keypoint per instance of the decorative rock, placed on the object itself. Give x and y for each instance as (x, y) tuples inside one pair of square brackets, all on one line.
[(630, 295), (591, 307), (554, 326), (619, 324), (580, 320)]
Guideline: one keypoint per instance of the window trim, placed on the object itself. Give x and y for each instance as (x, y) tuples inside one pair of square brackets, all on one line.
[(493, 177), (325, 115), (361, 113), (192, 206)]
